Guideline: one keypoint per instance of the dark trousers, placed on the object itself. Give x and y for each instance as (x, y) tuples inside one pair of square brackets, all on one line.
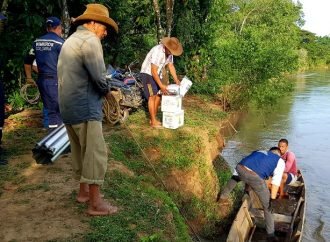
[(48, 88)]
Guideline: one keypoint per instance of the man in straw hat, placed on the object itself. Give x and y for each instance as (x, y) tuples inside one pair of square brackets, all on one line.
[(82, 86), (151, 72)]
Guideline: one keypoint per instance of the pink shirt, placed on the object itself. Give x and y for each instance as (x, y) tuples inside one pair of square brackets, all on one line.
[(290, 162)]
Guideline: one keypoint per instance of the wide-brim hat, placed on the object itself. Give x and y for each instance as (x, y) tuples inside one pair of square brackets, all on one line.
[(99, 13), (173, 45)]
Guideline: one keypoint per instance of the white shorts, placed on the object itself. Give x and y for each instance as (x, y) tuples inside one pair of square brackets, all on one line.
[(291, 179)]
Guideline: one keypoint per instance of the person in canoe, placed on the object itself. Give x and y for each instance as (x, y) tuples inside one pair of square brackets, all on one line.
[(290, 171), (254, 170)]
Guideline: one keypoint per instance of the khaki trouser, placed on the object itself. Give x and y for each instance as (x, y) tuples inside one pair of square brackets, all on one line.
[(88, 150)]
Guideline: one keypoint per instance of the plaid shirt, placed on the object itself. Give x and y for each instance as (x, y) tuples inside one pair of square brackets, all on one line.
[(157, 57)]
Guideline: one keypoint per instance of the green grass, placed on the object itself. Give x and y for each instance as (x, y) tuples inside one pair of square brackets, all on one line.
[(146, 213), (10, 173), (33, 187), (182, 149), (203, 117), (179, 149), (21, 140), (16, 142)]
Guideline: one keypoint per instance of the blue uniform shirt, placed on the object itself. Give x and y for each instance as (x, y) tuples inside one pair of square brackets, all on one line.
[(47, 49), (261, 162)]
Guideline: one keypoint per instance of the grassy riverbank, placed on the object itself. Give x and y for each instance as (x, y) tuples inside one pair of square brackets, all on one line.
[(164, 181)]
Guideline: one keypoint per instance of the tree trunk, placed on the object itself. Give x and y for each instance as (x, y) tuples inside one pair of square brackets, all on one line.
[(160, 31), (244, 20), (65, 19), (169, 16)]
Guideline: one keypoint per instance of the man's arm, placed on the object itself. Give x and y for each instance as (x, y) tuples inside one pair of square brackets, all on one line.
[(28, 71), (155, 76), (277, 177), (173, 73), (94, 63), (28, 62)]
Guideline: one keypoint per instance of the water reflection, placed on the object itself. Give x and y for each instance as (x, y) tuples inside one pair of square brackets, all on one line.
[(302, 118)]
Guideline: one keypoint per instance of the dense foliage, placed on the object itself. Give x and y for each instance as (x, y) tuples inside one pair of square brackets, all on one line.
[(231, 47), (315, 51)]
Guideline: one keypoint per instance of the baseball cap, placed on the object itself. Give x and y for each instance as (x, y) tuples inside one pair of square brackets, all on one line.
[(53, 22), (2, 17)]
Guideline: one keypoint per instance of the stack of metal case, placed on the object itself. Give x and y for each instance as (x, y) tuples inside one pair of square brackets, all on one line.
[(52, 146)]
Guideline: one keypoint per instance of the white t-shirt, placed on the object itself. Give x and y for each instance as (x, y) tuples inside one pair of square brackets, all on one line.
[(278, 172), (157, 57)]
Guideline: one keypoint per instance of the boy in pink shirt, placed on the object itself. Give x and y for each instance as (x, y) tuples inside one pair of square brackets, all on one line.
[(290, 171)]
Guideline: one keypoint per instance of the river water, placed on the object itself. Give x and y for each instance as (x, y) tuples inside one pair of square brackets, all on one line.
[(303, 117)]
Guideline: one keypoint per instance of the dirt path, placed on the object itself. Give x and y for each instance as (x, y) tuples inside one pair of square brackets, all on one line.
[(42, 207), (39, 204)]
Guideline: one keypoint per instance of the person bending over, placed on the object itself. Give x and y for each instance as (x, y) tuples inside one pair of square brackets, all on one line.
[(152, 68)]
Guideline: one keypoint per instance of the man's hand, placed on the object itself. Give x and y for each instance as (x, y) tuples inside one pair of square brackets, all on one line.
[(164, 90), (30, 81)]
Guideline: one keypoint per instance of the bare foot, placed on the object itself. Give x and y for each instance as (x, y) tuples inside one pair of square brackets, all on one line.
[(155, 123), (102, 209), (157, 126), (83, 194), (85, 198), (82, 199)]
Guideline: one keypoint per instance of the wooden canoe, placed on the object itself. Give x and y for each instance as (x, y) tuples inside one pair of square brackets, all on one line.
[(289, 217)]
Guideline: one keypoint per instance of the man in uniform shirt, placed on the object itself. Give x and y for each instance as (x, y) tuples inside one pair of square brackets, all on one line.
[(46, 50)]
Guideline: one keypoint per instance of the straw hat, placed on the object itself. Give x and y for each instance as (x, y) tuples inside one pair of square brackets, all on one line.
[(98, 13), (173, 45)]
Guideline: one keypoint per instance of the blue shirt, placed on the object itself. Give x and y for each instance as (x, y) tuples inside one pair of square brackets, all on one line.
[(261, 162), (47, 49)]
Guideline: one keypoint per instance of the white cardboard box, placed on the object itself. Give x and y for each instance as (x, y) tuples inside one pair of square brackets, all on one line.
[(173, 89), (185, 86), (173, 120), (171, 103)]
